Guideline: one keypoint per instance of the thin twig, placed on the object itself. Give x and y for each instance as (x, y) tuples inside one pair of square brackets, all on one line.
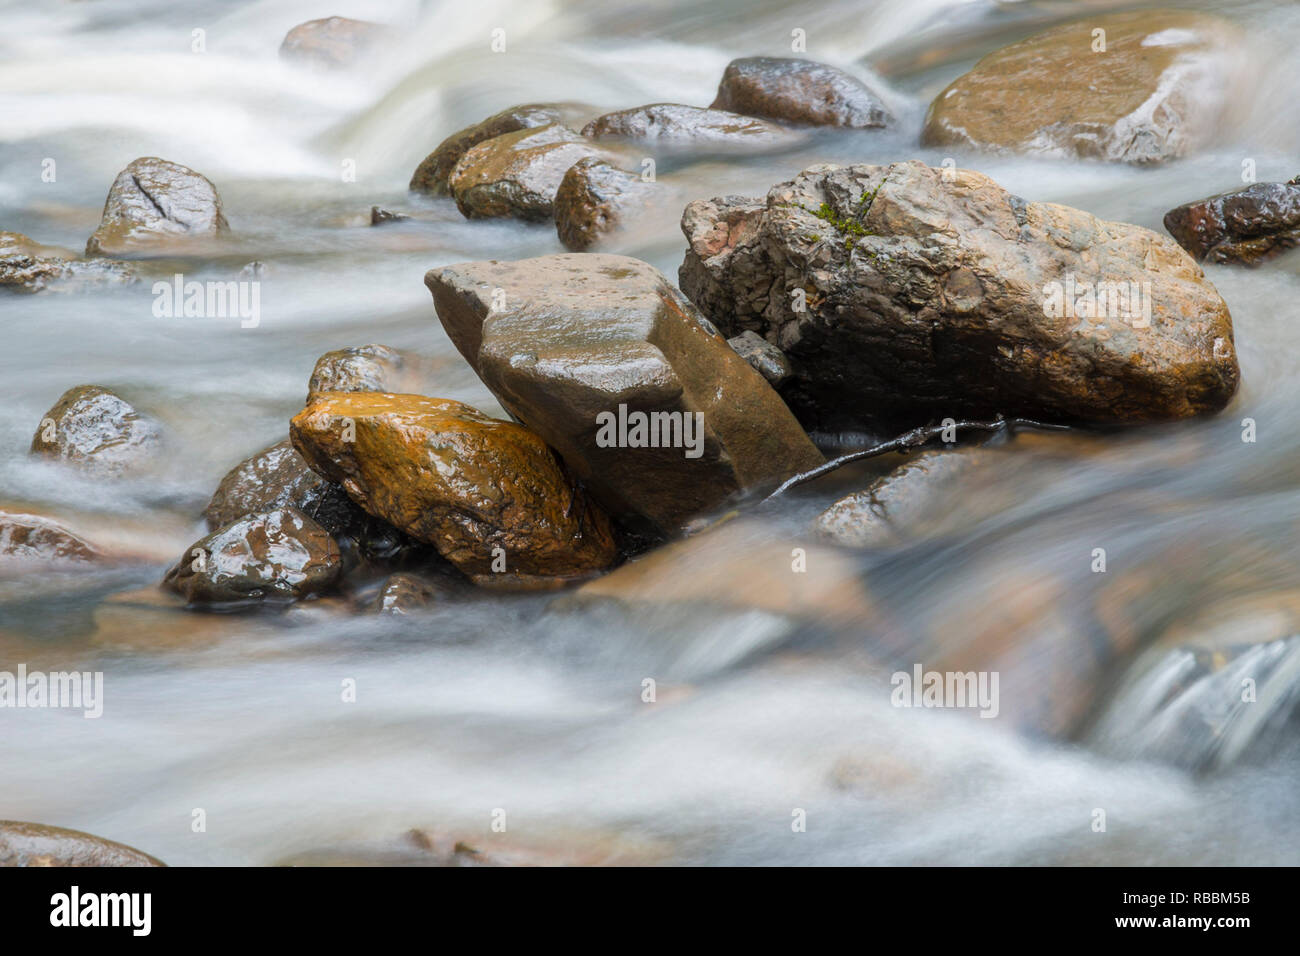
[(908, 440)]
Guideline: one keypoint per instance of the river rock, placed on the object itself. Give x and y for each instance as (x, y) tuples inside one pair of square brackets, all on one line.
[(380, 216), (32, 541), (594, 199), (278, 477), (34, 844), (278, 555), (742, 565), (371, 368), (432, 175), (483, 492), (28, 266), (585, 342), (903, 294), (156, 207), (403, 593), (517, 174), (671, 124), (804, 92), (95, 428), (764, 357), (1246, 226), (1162, 88), (896, 507), (333, 42)]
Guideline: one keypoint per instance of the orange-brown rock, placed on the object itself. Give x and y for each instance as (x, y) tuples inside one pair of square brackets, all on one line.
[(489, 495)]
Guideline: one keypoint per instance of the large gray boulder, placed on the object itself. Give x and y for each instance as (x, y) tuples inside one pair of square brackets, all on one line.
[(903, 294)]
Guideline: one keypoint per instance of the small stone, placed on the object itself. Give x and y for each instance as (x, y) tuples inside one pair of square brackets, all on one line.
[(96, 428), (273, 555)]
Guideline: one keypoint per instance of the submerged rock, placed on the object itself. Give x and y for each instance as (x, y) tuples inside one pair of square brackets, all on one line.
[(281, 554), (333, 42), (28, 266), (93, 427), (898, 506), (672, 124), (805, 92), (278, 477), (594, 199), (1161, 88), (743, 565), (34, 844), (517, 174), (371, 368), (403, 593), (443, 848), (380, 216), (584, 349), (903, 294), (30, 541), (488, 494), (1246, 226), (765, 358), (433, 173), (156, 207)]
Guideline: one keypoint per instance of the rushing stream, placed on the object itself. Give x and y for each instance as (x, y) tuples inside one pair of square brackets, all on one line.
[(1111, 694)]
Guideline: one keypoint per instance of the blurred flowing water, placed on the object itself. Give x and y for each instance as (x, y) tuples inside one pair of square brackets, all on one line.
[(1119, 689)]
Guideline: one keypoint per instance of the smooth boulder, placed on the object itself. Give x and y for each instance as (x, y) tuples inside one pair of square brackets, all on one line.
[(95, 428), (518, 174), (595, 199), (1162, 87), (803, 92), (1247, 226), (489, 495), (583, 349), (35, 844), (279, 555), (156, 207), (434, 172), (904, 294)]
